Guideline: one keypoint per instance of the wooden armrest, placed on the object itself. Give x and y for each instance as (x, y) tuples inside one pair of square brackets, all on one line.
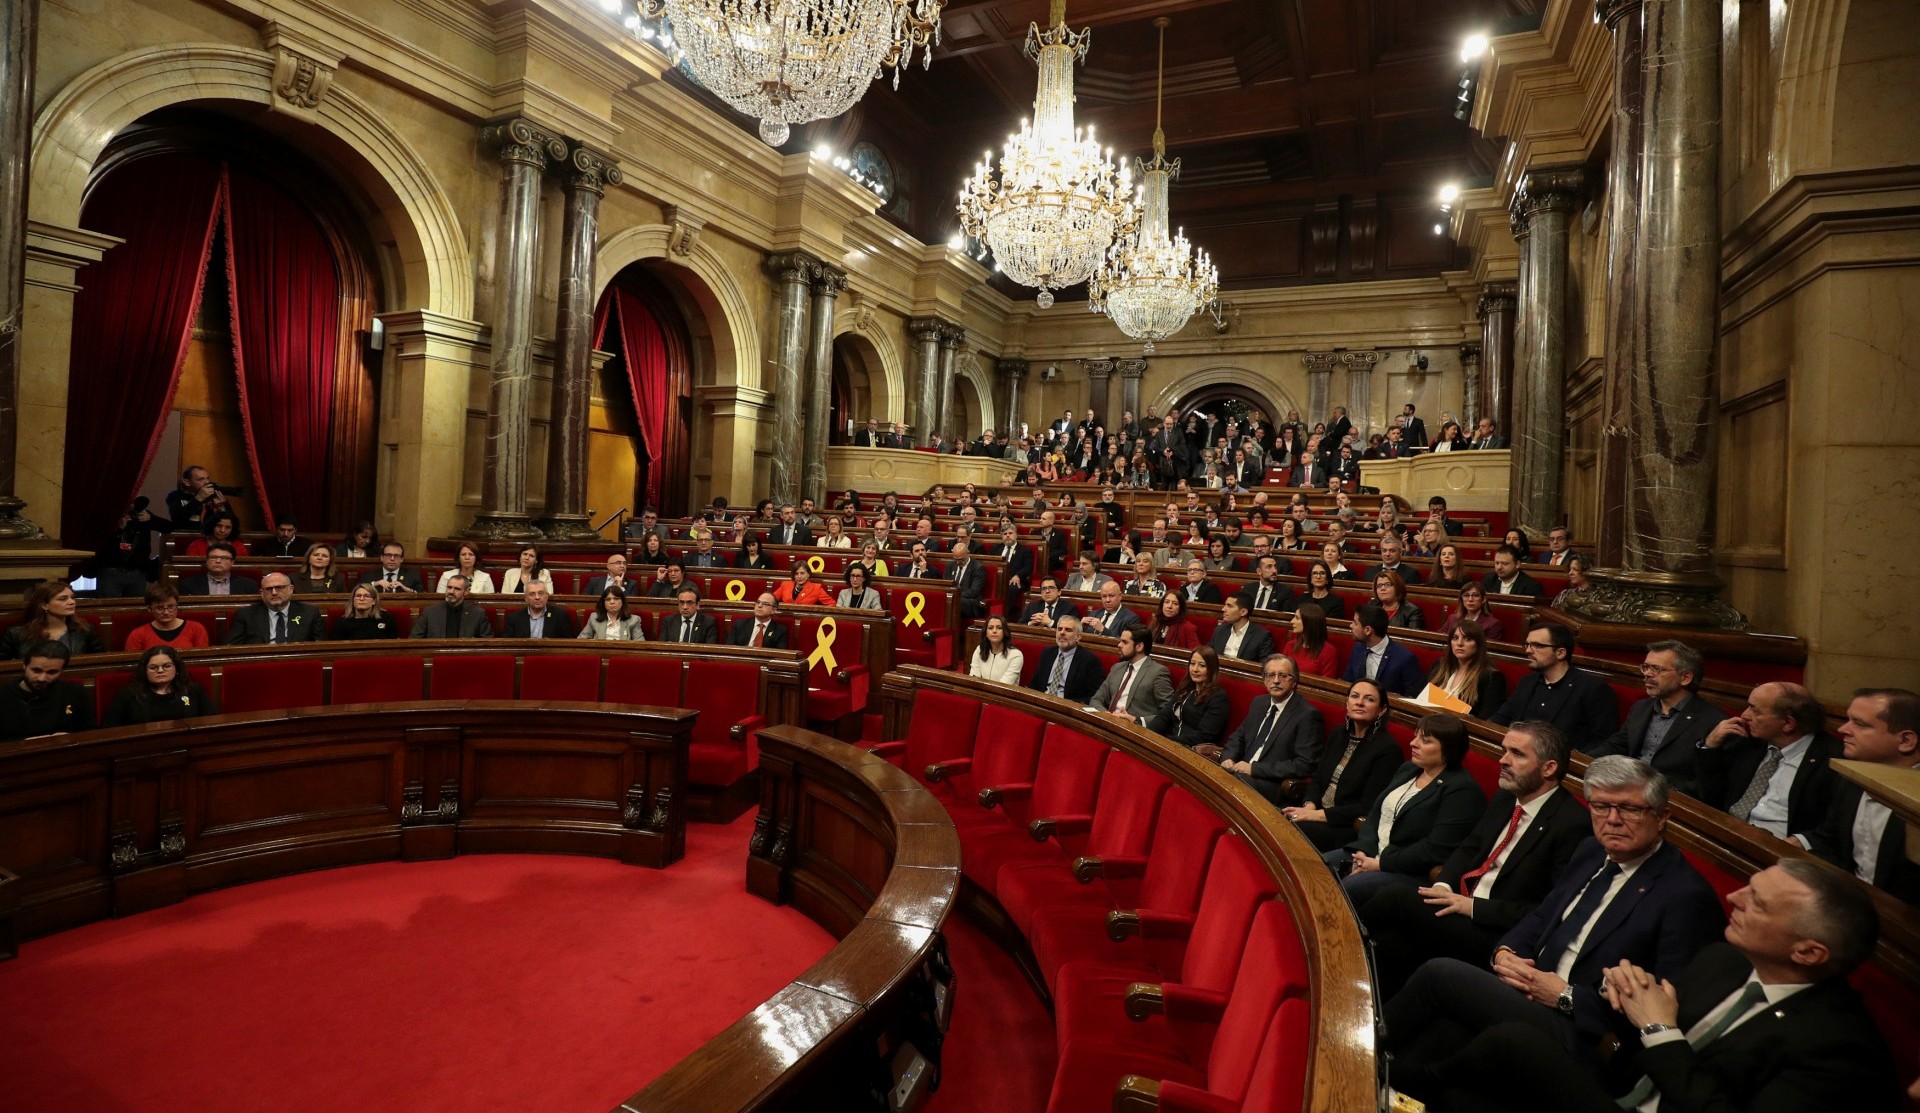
[(1134, 1094), (1044, 829), (1000, 794), (941, 770), (1144, 999), (1122, 926), (1294, 789), (845, 675), (738, 732), (1086, 869)]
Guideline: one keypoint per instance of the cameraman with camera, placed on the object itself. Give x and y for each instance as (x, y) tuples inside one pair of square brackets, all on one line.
[(195, 502)]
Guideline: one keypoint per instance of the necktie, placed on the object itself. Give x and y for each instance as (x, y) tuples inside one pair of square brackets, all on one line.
[(1472, 877), (1569, 928), (393, 577), (279, 627), (1120, 697), (1754, 994), (1054, 687), (1756, 788), (686, 629), (1266, 727)]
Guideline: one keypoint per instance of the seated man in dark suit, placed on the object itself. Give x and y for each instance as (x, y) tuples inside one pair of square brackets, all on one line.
[(615, 576), (537, 619), (1111, 618), (761, 630), (217, 576), (1861, 834), (689, 625), (704, 555), (1065, 669), (392, 575), (1627, 896), (1018, 557), (1056, 541), (1572, 699), (1138, 687), (1762, 1020), (1513, 858), (870, 436), (1048, 606), (790, 530), (1236, 635), (1379, 658), (287, 541), (41, 703), (1199, 589), (1665, 728), (918, 567), (970, 576), (1506, 577), (1267, 592), (1485, 437), (277, 619), (1391, 550), (1768, 766), (1281, 737), (453, 617)]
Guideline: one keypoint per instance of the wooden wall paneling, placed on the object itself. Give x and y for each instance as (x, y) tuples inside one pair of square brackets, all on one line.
[(430, 794), (54, 830)]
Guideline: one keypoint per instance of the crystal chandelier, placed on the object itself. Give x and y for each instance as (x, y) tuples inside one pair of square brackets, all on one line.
[(789, 61), (1149, 286), (1058, 203)]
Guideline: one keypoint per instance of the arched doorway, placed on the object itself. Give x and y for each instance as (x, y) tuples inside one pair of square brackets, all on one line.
[(859, 386), (639, 431), (230, 330), (1228, 401)]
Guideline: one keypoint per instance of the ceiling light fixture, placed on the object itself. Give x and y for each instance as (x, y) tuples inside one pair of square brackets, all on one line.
[(1474, 47)]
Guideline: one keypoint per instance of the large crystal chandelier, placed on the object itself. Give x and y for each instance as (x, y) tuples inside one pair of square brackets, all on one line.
[(789, 61), (1058, 203), (1150, 285)]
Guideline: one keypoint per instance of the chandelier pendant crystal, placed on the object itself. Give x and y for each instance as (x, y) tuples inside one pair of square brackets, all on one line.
[(1149, 286), (787, 62), (1058, 203)]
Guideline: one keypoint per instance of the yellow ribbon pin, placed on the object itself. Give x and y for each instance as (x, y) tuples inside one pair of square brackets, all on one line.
[(823, 644), (736, 590), (916, 609), (818, 564)]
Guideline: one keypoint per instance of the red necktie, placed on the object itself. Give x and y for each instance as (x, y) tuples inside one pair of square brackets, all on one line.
[(1470, 878), (758, 630)]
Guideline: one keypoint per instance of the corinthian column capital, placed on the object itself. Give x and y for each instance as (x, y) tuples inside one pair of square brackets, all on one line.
[(524, 142)]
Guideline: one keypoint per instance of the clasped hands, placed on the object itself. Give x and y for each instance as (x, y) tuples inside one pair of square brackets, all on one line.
[(1540, 986), (1639, 996)]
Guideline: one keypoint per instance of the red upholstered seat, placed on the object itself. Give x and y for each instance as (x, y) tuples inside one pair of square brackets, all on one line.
[(106, 686), (1006, 749), (1089, 993), (459, 676), (923, 626), (1723, 882), (942, 727), (1073, 925), (272, 685), (1121, 826), (726, 744), (120, 625), (402, 618), (1090, 1069), (569, 677), (1279, 1080), (378, 679), (633, 678), (1064, 784), (839, 690)]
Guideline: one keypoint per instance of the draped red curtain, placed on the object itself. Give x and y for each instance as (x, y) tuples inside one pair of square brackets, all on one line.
[(132, 322), (656, 359), (286, 339)]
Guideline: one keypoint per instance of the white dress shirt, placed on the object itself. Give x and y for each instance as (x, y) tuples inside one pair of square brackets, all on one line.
[(1770, 811), (1484, 887), (1001, 668), (1619, 882)]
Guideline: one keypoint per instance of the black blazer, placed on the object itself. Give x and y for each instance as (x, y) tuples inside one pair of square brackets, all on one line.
[(1206, 593), (1019, 565), (1257, 646), (1817, 1049), (909, 572), (1083, 673), (1435, 821), (1293, 747), (1725, 774), (559, 624), (1533, 867), (1582, 704), (239, 585), (1833, 841), (250, 625), (1279, 598), (1368, 771), (972, 584), (742, 634), (778, 535), (713, 559), (1060, 608), (133, 704), (705, 630), (1523, 584), (1490, 693), (1694, 719), (376, 627), (1659, 919), (407, 576), (1093, 622), (1193, 722)]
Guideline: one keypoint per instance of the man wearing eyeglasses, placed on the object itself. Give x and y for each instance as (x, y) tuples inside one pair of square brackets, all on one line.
[(1664, 728), (1627, 896), (1572, 699)]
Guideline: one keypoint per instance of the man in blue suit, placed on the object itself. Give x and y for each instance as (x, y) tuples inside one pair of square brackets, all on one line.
[(1379, 658), (1627, 895)]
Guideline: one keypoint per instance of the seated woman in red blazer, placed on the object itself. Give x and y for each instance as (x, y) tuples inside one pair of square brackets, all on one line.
[(802, 590)]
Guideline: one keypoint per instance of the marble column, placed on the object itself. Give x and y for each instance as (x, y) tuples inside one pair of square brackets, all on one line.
[(951, 338), (1544, 203), (1131, 372), (1496, 312), (1099, 383), (792, 272), (1469, 387), (1319, 386), (827, 284), (1011, 373), (524, 150), (18, 30), (565, 516), (924, 401), (1663, 317), (1625, 19), (1360, 367)]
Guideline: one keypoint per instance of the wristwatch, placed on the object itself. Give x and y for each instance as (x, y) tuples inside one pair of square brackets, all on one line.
[(1565, 1003), (1654, 1029)]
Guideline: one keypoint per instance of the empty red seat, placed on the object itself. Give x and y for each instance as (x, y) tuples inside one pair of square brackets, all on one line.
[(1064, 783), (572, 676), (923, 626), (1006, 749), (471, 676), (726, 744), (272, 685), (839, 689), (1121, 826), (644, 678), (378, 679), (942, 727), (105, 687)]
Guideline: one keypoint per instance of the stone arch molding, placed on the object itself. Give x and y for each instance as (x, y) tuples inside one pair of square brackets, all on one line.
[(436, 266), (893, 377), (970, 366), (730, 320), (1243, 377)]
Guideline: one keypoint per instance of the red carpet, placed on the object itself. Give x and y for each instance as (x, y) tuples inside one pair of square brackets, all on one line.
[(490, 982), (999, 1052)]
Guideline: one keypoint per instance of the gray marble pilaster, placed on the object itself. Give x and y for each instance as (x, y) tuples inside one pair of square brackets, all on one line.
[(1544, 202), (792, 272), (948, 423), (1131, 372), (1469, 387), (524, 150), (565, 515), (18, 29), (1360, 367), (1012, 373), (1625, 19), (1099, 388), (1319, 386), (1496, 312), (924, 415), (827, 284)]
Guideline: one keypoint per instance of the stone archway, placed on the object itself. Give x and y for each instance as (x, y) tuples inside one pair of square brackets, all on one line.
[(721, 319), (868, 391), (878, 355), (973, 397), (1223, 384)]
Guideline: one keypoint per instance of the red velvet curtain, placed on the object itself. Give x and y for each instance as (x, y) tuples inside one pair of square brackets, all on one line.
[(286, 337), (132, 321), (656, 359)]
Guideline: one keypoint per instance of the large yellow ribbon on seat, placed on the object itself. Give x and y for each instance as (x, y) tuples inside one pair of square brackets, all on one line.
[(736, 590), (818, 564), (916, 609), (823, 644)]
